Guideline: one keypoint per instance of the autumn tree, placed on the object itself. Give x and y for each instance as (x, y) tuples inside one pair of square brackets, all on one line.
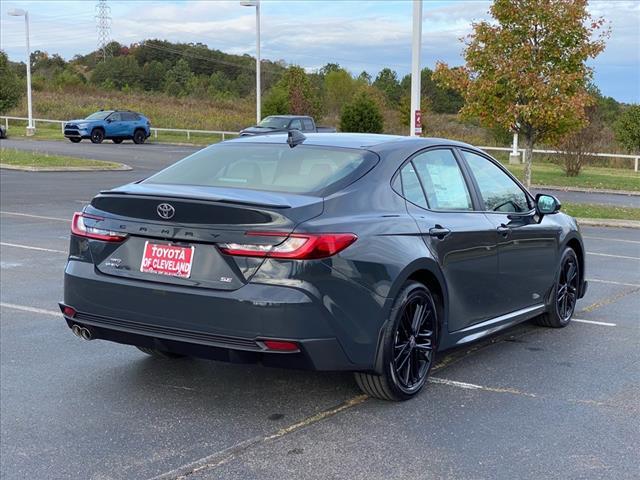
[(527, 70), (293, 94)]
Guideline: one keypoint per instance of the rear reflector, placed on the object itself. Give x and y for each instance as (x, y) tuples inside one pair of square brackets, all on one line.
[(281, 345), (78, 227), (297, 246), (68, 311)]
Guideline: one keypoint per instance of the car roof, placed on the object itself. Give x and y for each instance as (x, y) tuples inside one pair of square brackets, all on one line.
[(288, 116), (119, 111), (369, 141)]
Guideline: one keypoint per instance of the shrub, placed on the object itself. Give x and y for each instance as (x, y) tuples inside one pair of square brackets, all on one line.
[(577, 144), (627, 129), (361, 115), (276, 102)]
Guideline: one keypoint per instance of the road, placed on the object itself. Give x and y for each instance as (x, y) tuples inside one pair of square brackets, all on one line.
[(150, 157), (529, 403)]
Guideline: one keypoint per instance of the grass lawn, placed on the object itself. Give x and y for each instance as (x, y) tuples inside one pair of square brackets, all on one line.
[(590, 177), (42, 160), (581, 210)]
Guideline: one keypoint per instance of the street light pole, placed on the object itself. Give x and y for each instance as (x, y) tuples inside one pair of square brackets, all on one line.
[(415, 121), (256, 3), (18, 12)]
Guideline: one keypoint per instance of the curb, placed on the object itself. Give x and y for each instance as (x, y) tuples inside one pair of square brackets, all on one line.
[(633, 193), (24, 168), (183, 144), (608, 222)]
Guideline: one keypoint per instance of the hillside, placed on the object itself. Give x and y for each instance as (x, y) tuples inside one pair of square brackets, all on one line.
[(180, 85)]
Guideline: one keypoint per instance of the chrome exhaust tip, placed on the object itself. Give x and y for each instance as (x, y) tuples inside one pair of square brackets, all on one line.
[(77, 330), (86, 333)]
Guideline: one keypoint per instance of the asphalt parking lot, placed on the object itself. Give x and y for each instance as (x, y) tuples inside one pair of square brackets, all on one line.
[(529, 403)]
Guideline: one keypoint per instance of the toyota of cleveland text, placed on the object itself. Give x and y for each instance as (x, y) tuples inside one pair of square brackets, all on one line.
[(357, 252)]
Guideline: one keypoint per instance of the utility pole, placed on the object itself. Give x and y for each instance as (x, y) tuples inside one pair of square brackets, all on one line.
[(19, 12), (103, 23), (256, 3), (415, 121)]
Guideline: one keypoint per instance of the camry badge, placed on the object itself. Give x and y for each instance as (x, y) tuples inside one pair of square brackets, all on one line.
[(165, 211)]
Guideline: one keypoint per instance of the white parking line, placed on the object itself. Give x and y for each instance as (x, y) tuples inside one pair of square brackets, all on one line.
[(613, 256), (17, 214), (27, 247), (593, 322), (611, 282), (611, 239), (24, 308), (473, 386)]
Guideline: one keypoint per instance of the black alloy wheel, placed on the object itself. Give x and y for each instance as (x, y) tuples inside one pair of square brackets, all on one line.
[(413, 344), (139, 136), (565, 292), (567, 289), (410, 346), (97, 135)]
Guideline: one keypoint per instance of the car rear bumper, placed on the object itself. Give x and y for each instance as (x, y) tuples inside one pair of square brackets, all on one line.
[(222, 325)]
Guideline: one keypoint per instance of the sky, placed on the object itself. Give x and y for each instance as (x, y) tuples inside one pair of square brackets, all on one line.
[(359, 35)]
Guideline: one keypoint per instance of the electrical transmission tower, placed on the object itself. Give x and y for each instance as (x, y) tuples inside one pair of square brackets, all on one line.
[(103, 23)]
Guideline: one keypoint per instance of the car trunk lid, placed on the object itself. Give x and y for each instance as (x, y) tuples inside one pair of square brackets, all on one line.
[(193, 216)]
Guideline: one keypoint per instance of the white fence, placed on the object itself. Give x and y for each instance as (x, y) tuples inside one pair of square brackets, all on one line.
[(154, 131), (224, 134), (521, 151)]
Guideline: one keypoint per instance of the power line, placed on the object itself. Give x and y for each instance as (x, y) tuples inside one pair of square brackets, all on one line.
[(199, 57), (103, 20)]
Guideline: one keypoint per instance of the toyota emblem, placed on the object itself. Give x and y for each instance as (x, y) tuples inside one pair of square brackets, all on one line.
[(166, 211)]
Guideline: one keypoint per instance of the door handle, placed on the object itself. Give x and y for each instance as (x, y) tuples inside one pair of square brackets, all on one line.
[(439, 232), (503, 230)]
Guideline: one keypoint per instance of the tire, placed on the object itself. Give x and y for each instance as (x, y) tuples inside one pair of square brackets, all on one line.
[(408, 350), (75, 139), (116, 140), (97, 135), (159, 353), (565, 292), (139, 136)]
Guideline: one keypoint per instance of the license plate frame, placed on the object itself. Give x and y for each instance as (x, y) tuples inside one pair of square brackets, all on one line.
[(166, 259)]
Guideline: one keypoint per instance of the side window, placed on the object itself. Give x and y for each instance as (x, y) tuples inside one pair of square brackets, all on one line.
[(308, 124), (411, 188), (442, 180), (115, 117), (499, 192), (295, 124), (129, 117)]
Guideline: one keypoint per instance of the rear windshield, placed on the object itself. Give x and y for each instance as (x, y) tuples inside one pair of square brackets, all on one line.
[(271, 167)]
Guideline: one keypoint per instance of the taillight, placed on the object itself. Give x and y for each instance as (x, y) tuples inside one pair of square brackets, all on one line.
[(78, 227), (297, 246)]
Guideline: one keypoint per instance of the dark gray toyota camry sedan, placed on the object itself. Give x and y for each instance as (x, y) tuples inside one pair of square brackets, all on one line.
[(366, 253)]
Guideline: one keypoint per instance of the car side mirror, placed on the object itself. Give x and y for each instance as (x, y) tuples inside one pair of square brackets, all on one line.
[(547, 204), (109, 120)]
